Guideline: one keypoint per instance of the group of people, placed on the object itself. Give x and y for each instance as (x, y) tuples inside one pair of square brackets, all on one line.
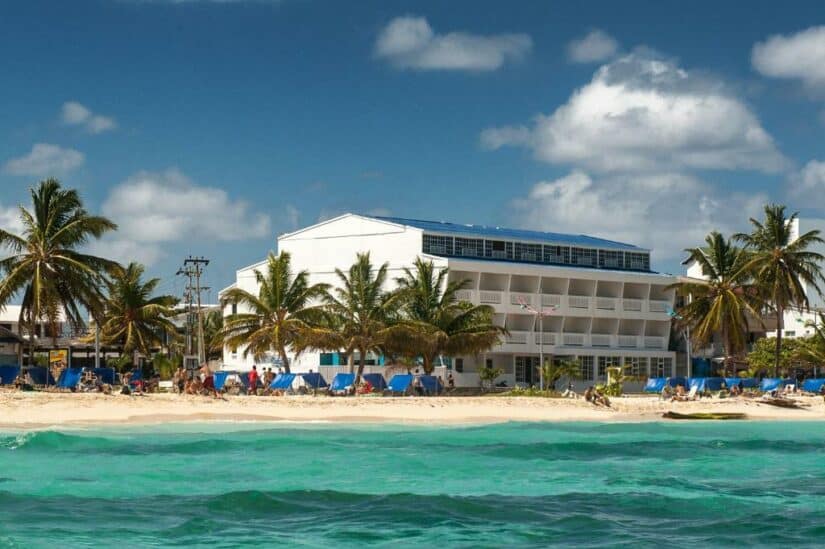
[(596, 396)]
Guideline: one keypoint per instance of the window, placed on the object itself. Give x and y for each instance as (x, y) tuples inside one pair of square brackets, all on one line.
[(437, 245), (636, 366), (234, 308), (528, 252), (489, 362), (605, 362), (637, 261), (586, 367), (557, 254), (459, 365), (790, 333), (527, 369), (661, 367), (611, 259), (498, 249), (583, 256), (469, 247)]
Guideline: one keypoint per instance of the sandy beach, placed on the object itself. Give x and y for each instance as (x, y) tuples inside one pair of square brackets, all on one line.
[(42, 409)]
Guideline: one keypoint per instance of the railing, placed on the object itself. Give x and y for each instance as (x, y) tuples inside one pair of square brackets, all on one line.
[(498, 254), (657, 306), (546, 338), (517, 298), (628, 341), (631, 304), (517, 338), (578, 302), (600, 340), (464, 295), (576, 340), (486, 296), (606, 303), (654, 342), (550, 300)]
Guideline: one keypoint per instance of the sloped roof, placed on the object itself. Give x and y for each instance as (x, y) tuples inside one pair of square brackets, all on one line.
[(510, 234)]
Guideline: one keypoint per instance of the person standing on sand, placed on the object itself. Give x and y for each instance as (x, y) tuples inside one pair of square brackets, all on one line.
[(253, 380)]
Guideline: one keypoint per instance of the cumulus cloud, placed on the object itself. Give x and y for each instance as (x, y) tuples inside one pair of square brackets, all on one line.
[(75, 114), (595, 46), (683, 209), (798, 56), (45, 160), (156, 208), (643, 112), (808, 184), (409, 42)]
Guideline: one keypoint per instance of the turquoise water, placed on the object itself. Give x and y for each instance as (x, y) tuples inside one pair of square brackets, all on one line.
[(583, 484)]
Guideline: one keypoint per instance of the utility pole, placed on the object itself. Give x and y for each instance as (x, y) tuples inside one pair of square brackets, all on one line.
[(187, 299), (194, 267)]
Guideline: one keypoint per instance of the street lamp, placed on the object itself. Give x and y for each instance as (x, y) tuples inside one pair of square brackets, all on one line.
[(540, 313)]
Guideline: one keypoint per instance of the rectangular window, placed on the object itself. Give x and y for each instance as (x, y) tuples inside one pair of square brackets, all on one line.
[(527, 252), (606, 362), (583, 256), (527, 369), (557, 254), (611, 259), (498, 249), (661, 367), (459, 365), (234, 308), (437, 245), (586, 368), (637, 261), (469, 247)]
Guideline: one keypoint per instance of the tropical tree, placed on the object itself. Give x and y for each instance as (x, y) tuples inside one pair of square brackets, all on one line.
[(782, 266), (284, 315), (554, 370), (134, 318), (360, 311), (433, 322), (723, 301), (45, 267), (213, 334)]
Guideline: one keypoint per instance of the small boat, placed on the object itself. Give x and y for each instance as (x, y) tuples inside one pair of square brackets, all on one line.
[(781, 402), (705, 415)]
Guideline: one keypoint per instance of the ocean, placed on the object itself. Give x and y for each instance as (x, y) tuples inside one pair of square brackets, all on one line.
[(692, 484)]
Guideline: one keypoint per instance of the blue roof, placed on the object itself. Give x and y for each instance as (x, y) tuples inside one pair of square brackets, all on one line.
[(511, 234)]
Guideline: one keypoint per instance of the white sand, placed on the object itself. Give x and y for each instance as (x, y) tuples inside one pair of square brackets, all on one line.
[(36, 410)]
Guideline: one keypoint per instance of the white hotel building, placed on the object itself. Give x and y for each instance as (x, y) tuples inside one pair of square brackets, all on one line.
[(603, 304)]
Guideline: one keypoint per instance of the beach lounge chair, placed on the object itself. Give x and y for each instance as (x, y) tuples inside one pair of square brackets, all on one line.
[(105, 375), (314, 380), (696, 382), (8, 374), (813, 386), (219, 379), (282, 382), (342, 384), (69, 378), (678, 380), (400, 383), (39, 375), (431, 385), (713, 383), (376, 380), (655, 385), (749, 383), (770, 384)]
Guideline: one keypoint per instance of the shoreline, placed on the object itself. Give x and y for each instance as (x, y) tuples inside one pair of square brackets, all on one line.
[(39, 410)]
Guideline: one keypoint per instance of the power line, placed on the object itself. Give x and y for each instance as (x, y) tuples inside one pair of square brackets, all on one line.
[(194, 267)]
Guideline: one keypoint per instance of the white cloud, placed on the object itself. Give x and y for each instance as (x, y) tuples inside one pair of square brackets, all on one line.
[(798, 56), (292, 217), (45, 160), (643, 112), (681, 208), (75, 114), (595, 46), (808, 184), (409, 42), (156, 208)]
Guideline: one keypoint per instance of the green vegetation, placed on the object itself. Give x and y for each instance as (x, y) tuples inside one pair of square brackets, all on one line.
[(489, 374)]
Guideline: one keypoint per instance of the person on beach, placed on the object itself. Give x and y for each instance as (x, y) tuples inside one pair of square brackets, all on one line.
[(179, 379), (450, 381), (588, 394), (253, 380), (208, 384), (680, 393)]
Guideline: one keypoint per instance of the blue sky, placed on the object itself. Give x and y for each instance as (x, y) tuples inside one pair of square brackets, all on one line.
[(209, 127)]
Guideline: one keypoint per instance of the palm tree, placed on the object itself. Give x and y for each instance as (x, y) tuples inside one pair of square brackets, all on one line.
[(282, 316), (722, 303), (434, 323), (134, 318), (360, 311), (45, 266), (212, 334), (553, 371), (782, 266)]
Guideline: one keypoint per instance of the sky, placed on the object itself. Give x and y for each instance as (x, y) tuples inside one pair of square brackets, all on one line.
[(208, 127)]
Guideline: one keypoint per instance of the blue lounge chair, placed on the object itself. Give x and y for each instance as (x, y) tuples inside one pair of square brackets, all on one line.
[(220, 379), (69, 378), (376, 380), (714, 383), (281, 381), (105, 375), (749, 383), (731, 382), (39, 375), (431, 385), (315, 380), (655, 385), (8, 374), (136, 379), (770, 384), (679, 380), (698, 382), (813, 385), (342, 383), (244, 377), (399, 383)]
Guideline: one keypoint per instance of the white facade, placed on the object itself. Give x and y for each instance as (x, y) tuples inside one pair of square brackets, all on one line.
[(601, 315)]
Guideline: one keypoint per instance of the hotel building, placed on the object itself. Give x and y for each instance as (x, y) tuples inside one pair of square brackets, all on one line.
[(602, 304)]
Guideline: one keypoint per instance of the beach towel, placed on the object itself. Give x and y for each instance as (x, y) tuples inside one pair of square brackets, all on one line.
[(813, 385), (69, 378), (8, 374), (314, 380), (342, 382), (400, 383), (655, 385), (281, 381), (376, 380)]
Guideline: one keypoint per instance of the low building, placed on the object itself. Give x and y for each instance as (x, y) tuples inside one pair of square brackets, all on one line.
[(603, 304)]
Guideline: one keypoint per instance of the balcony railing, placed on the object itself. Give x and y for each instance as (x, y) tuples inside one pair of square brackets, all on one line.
[(600, 340), (464, 295), (550, 300), (517, 298), (628, 341), (606, 303), (489, 296), (578, 302), (631, 304), (518, 338), (575, 340), (655, 306), (654, 342), (546, 338)]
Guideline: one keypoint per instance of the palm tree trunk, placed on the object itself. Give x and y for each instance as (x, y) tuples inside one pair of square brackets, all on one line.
[(428, 365), (284, 359), (362, 361), (726, 349), (780, 323)]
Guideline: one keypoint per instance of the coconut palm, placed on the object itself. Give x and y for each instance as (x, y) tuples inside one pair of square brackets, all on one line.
[(45, 267), (212, 334), (724, 301), (782, 266), (434, 323), (553, 371), (281, 317), (360, 311), (134, 318)]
